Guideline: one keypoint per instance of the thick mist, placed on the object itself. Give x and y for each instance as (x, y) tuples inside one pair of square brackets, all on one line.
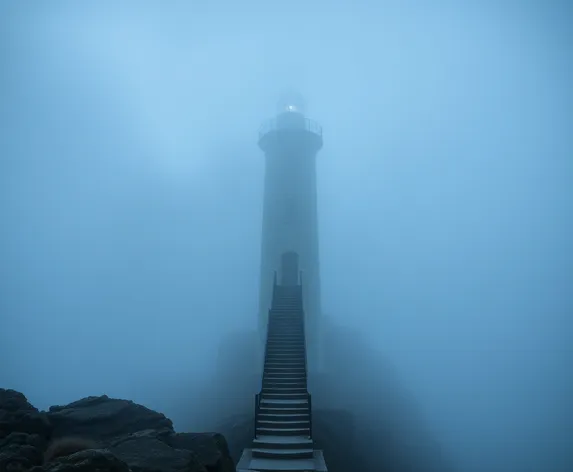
[(131, 199)]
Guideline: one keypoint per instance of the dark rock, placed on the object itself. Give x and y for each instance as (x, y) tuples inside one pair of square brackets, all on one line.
[(90, 460), (24, 432), (103, 418), (211, 449), (147, 454), (102, 434), (18, 415), (66, 446)]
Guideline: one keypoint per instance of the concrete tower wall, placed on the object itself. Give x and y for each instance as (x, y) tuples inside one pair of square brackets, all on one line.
[(290, 220)]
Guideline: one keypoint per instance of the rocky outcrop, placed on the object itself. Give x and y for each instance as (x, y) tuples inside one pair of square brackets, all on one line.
[(104, 434), (24, 432), (89, 460)]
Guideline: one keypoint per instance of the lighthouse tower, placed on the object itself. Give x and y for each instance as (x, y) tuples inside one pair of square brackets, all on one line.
[(290, 142)]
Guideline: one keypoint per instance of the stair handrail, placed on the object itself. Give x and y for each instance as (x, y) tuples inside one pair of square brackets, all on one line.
[(258, 396), (308, 396)]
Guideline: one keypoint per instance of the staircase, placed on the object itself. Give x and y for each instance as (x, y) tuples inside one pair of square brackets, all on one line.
[(283, 409)]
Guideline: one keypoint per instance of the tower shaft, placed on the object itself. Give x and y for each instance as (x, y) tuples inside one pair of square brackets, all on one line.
[(290, 220)]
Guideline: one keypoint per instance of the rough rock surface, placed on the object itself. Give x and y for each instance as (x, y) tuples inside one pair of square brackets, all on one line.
[(90, 460), (24, 432), (129, 437)]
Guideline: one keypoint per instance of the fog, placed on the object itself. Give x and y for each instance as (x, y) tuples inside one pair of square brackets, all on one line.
[(131, 201)]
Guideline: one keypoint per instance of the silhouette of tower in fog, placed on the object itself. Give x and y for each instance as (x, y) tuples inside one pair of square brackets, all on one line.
[(290, 142)]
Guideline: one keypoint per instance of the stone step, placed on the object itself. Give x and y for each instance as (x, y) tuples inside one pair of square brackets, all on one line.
[(278, 381), (264, 423), (283, 411), (283, 454), (276, 330), (283, 442), (285, 416), (275, 403), (281, 347), (284, 328), (285, 396), (283, 431), (284, 337), (284, 369), (283, 390), (283, 350), (275, 383), (293, 346), (284, 365), (284, 360), (296, 376), (281, 353), (286, 351), (275, 326)]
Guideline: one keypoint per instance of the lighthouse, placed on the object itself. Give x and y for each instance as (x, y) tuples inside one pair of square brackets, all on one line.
[(290, 142)]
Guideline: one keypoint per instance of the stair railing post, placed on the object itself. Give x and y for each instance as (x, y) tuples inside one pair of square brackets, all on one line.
[(274, 287), (309, 416), (256, 412)]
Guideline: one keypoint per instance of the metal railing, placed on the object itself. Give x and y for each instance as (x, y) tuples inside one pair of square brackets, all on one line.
[(274, 124), (259, 395), (308, 395)]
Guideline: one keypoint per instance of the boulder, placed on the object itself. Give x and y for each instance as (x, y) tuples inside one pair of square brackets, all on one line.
[(211, 449), (104, 434), (24, 432), (103, 418), (89, 460)]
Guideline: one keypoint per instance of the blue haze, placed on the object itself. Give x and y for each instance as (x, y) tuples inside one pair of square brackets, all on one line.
[(131, 200)]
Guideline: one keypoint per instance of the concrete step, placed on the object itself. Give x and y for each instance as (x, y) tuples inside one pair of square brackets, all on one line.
[(283, 431), (279, 381), (283, 411), (284, 404), (284, 454), (291, 342), (285, 370), (286, 354), (275, 326), (285, 396), (263, 423), (282, 325), (283, 390), (284, 360), (285, 416), (278, 375), (287, 348), (281, 353), (275, 384), (277, 330), (284, 337), (283, 442), (295, 412), (285, 351), (284, 365), (289, 356)]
